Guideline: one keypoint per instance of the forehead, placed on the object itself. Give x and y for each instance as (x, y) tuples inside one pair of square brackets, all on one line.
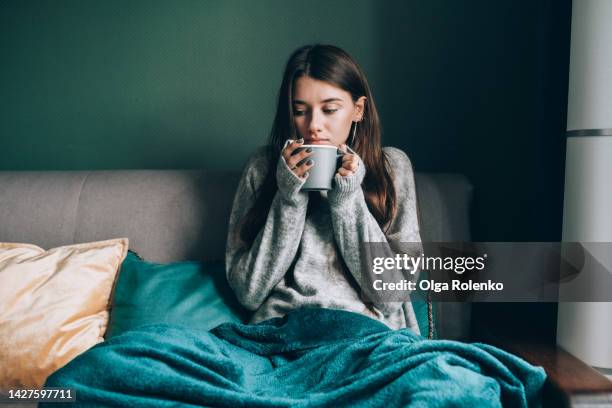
[(311, 90)]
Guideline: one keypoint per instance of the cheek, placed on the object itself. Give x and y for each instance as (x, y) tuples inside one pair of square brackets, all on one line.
[(298, 122), (342, 125), (340, 130)]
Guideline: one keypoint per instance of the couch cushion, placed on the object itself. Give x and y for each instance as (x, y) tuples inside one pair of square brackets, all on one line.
[(444, 207), (193, 294)]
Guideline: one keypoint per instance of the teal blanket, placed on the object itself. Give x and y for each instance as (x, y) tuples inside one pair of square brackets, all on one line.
[(309, 358)]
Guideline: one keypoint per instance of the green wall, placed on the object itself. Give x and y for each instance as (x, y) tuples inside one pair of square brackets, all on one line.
[(155, 84)]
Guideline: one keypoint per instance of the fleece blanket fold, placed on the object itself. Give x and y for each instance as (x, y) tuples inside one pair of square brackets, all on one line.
[(309, 358)]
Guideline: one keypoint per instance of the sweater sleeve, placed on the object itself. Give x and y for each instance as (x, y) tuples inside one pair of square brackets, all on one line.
[(355, 226), (253, 272)]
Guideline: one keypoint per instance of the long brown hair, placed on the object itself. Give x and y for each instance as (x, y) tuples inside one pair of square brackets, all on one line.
[(334, 66)]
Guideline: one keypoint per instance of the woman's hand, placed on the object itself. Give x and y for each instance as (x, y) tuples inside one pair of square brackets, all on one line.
[(350, 163), (297, 161)]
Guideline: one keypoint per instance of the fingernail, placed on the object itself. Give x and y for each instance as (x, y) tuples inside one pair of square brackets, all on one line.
[(309, 162), (306, 174), (309, 150), (300, 140)]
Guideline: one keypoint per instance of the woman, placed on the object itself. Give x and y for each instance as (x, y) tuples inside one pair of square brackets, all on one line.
[(288, 249)]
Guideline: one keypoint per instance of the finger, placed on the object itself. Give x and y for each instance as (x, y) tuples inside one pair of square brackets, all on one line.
[(350, 164), (344, 172), (294, 144), (348, 157), (350, 167), (304, 168), (296, 158)]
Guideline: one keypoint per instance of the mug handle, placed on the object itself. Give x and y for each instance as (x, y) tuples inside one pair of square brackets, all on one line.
[(343, 153)]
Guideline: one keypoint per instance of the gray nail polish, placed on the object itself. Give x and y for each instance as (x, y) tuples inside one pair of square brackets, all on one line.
[(309, 150), (309, 162)]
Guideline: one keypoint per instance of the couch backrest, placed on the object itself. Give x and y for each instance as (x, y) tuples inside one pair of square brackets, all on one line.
[(171, 215), (168, 215)]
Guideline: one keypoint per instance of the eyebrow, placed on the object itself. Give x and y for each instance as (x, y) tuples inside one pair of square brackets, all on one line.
[(301, 102)]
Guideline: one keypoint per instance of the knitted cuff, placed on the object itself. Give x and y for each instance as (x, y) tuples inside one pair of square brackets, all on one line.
[(289, 184), (345, 187)]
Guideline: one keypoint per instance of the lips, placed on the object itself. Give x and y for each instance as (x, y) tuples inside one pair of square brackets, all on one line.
[(318, 141)]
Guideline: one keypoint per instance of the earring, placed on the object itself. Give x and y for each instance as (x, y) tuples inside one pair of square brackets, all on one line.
[(352, 140)]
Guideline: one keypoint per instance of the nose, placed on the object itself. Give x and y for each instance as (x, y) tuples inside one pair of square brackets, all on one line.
[(314, 127)]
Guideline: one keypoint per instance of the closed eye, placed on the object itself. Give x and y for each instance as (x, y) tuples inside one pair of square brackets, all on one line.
[(299, 112)]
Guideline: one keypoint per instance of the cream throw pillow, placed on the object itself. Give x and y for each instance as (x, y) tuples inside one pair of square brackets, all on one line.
[(54, 305)]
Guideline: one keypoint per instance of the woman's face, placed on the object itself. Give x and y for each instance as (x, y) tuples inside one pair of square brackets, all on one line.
[(323, 112)]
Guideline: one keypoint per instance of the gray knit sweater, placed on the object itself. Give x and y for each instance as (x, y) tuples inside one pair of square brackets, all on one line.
[(311, 259)]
